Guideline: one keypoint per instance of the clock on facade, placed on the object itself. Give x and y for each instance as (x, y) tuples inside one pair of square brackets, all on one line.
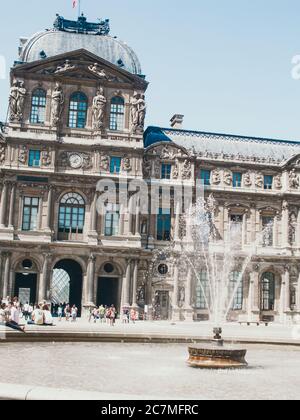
[(76, 160)]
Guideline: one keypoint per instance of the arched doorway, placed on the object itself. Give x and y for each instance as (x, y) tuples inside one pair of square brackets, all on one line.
[(109, 286), (26, 282), (66, 284)]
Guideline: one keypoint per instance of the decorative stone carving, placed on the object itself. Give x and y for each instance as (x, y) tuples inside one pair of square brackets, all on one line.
[(166, 153), (76, 160), (248, 179), (285, 205), (278, 182), (23, 155), (216, 177), (259, 180), (147, 168), (104, 163), (65, 67), (57, 102), (294, 181), (2, 153), (96, 69), (157, 169), (181, 297), (211, 204), (126, 164), (187, 170), (46, 158), (138, 112), (175, 170), (99, 104), (228, 178), (17, 100)]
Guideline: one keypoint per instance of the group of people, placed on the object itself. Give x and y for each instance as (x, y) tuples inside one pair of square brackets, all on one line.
[(109, 314), (65, 310)]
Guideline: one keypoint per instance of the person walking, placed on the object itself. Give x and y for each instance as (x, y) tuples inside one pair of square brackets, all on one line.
[(112, 315), (74, 312)]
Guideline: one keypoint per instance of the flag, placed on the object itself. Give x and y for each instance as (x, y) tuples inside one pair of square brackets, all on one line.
[(74, 2)]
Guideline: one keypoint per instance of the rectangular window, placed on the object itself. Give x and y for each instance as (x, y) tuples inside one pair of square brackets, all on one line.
[(34, 159), (202, 291), (164, 225), (112, 220), (268, 182), (237, 304), (30, 213), (115, 165), (205, 176), (237, 180), (166, 170)]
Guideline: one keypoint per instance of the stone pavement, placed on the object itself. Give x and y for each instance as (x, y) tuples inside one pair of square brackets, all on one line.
[(158, 331)]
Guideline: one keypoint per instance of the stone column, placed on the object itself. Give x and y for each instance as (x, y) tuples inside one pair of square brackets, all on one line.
[(188, 290), (12, 205), (298, 230), (130, 216), (244, 229), (137, 220), (6, 275), (49, 208), (253, 224), (3, 205), (275, 232), (90, 280), (298, 294), (287, 292), (126, 285), (254, 296), (93, 222), (44, 278), (221, 220), (177, 222), (285, 225), (121, 221), (135, 284), (175, 312)]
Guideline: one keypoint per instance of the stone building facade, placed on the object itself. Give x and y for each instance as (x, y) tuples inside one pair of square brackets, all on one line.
[(76, 118)]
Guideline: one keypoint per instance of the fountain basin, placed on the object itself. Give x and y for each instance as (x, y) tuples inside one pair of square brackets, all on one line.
[(216, 357)]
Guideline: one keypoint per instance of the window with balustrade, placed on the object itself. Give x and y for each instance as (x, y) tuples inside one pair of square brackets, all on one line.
[(71, 216), (38, 106), (78, 110)]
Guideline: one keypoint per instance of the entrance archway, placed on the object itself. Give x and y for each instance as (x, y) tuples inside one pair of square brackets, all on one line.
[(26, 287), (109, 286), (66, 284)]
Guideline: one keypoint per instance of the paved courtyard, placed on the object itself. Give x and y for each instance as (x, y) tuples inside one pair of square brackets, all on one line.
[(149, 370)]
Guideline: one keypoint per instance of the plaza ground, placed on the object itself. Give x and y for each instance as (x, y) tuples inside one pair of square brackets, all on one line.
[(150, 371)]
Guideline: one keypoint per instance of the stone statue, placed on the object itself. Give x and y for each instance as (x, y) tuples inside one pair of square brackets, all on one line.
[(46, 158), (278, 182), (104, 163), (57, 104), (228, 178), (95, 68), (65, 67), (138, 112), (175, 171), (216, 177), (17, 100), (147, 168), (294, 179), (211, 204), (142, 109), (259, 181), (126, 164), (247, 179), (99, 104), (181, 296), (23, 155), (187, 170)]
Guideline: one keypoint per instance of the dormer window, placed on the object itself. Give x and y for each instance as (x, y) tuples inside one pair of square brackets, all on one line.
[(117, 114), (78, 110), (38, 107)]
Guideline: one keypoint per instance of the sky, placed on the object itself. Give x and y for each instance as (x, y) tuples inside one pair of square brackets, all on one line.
[(226, 65)]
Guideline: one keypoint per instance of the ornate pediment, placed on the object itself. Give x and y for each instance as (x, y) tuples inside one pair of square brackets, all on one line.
[(81, 64), (167, 152)]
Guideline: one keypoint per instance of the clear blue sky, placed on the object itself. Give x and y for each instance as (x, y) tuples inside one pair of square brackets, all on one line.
[(226, 65)]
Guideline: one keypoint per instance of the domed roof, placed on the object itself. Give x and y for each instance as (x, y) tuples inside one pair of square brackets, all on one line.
[(55, 42)]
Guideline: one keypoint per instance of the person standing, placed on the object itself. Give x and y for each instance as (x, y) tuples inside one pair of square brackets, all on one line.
[(112, 316), (26, 311), (60, 312), (67, 312), (102, 313), (74, 312)]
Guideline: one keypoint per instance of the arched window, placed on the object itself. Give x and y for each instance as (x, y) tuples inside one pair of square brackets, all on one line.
[(38, 106), (78, 110), (117, 114), (268, 292), (71, 214)]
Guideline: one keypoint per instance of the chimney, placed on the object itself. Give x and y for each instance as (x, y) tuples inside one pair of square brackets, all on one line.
[(177, 121)]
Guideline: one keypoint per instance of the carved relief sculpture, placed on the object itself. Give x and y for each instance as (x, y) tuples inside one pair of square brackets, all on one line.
[(99, 104), (228, 178), (23, 155), (187, 170), (216, 177), (259, 180), (138, 112), (147, 168), (247, 180), (278, 182), (175, 170), (95, 68), (65, 67), (294, 179), (57, 104), (46, 158), (17, 100), (104, 163), (126, 164)]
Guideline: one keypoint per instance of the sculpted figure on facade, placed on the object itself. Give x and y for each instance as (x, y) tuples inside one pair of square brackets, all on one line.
[(175, 170), (259, 180), (126, 164), (99, 105), (228, 178), (65, 67), (187, 170), (138, 112), (216, 177), (96, 69), (46, 158), (23, 153), (278, 182), (17, 100), (147, 168), (57, 102), (294, 179), (104, 163), (248, 179), (157, 169)]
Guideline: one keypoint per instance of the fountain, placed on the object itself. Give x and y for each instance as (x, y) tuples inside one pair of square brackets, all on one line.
[(202, 246)]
